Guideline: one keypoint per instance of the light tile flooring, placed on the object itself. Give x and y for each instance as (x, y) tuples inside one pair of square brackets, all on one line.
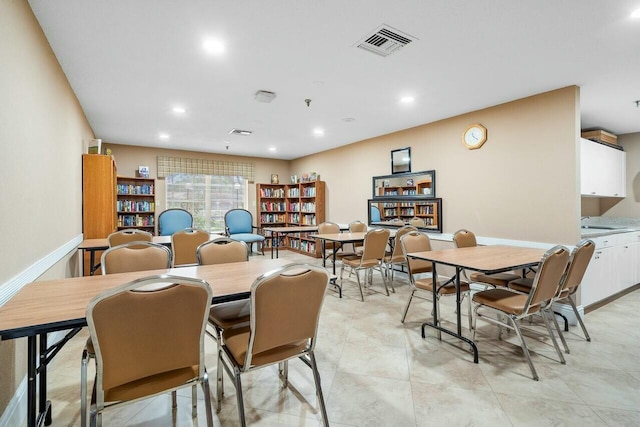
[(377, 371)]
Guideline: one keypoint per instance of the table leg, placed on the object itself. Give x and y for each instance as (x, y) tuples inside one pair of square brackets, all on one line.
[(32, 358), (324, 253), (458, 313)]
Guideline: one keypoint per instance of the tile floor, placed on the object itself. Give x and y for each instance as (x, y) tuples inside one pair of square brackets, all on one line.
[(377, 371)]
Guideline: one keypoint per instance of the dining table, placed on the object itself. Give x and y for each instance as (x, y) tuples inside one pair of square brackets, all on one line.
[(488, 259), (277, 233), (43, 307)]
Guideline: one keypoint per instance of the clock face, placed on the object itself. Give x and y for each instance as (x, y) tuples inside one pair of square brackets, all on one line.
[(474, 136)]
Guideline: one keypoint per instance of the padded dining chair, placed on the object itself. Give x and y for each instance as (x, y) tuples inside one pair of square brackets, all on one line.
[(328, 227), (129, 235), (184, 244), (229, 314), (372, 258), (397, 256), (422, 287), (238, 224), (172, 220), (578, 263), (417, 222), (509, 306), (135, 256), (465, 239), (285, 309), (357, 227), (375, 214), (163, 352)]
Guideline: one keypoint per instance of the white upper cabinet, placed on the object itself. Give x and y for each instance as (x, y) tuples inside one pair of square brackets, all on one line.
[(602, 170)]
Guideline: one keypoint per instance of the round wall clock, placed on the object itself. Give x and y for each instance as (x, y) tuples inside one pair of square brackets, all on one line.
[(474, 136)]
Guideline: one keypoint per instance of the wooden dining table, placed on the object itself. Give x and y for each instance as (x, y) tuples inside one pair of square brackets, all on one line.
[(485, 259), (40, 308)]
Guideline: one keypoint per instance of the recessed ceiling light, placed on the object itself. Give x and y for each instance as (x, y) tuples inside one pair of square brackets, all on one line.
[(349, 119), (318, 132), (179, 110), (407, 99), (273, 149), (213, 46), (163, 136), (235, 131), (635, 14)]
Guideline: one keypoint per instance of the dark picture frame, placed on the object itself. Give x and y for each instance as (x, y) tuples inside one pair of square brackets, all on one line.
[(401, 160)]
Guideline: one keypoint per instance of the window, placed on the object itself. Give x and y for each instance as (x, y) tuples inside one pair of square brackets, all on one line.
[(207, 197)]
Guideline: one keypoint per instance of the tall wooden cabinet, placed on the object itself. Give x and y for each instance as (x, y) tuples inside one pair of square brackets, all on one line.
[(292, 205), (98, 198), (136, 203)]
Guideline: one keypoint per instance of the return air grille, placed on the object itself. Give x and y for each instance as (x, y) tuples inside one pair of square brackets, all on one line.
[(385, 40)]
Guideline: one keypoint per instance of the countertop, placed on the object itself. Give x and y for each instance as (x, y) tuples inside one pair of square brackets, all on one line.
[(596, 226)]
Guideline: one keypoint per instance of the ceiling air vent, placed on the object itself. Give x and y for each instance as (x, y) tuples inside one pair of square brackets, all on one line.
[(235, 131), (385, 40)]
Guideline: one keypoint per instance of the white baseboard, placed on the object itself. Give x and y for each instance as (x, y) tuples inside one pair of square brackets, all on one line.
[(15, 414)]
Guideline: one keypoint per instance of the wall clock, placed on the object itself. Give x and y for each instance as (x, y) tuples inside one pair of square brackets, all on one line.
[(474, 136)]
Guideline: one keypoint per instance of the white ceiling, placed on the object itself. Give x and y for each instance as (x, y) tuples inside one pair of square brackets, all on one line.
[(129, 62)]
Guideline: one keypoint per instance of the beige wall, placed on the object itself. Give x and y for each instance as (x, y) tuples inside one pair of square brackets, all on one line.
[(522, 184), (42, 128)]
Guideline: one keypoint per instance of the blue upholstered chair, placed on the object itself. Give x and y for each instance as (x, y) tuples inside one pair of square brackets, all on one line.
[(239, 226), (375, 214), (173, 220)]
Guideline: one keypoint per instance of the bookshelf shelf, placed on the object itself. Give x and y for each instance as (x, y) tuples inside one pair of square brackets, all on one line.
[(136, 203)]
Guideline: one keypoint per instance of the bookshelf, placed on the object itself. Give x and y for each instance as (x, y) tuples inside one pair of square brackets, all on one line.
[(136, 203), (291, 205)]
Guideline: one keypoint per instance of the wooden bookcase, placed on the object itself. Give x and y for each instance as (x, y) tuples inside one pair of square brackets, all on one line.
[(98, 199), (282, 205), (136, 203)]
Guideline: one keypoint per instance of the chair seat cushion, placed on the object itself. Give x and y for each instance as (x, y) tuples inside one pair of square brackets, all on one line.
[(229, 314), (151, 385), (497, 279), (521, 285), (448, 289), (247, 237), (236, 340), (502, 299)]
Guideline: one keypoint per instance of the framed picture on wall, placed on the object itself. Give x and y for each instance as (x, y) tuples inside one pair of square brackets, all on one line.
[(274, 178)]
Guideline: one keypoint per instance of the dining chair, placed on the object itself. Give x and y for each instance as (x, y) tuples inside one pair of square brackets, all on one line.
[(357, 227), (184, 244), (422, 287), (465, 239), (129, 235), (397, 256), (328, 227), (509, 306), (172, 220), (578, 262), (372, 258), (229, 314), (285, 309), (148, 338), (375, 214), (417, 222), (238, 225), (135, 256)]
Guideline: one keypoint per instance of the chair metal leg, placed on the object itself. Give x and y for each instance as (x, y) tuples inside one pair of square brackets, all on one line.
[(219, 377), (575, 311), (238, 382), (359, 284), (174, 401), (406, 308), (384, 280), (553, 337), (525, 350), (316, 379), (207, 399), (560, 334), (83, 388), (283, 372), (194, 401), (469, 311)]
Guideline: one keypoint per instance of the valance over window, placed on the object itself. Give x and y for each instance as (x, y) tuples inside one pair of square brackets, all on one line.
[(172, 165)]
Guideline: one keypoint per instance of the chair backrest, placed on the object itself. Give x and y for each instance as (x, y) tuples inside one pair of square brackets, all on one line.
[(329, 228), (375, 243), (578, 263), (184, 244), (221, 251), (547, 279), (169, 315), (398, 252), (357, 227), (417, 222), (415, 241), (238, 221), (173, 220), (375, 214), (129, 235), (131, 257), (464, 239), (285, 308)]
